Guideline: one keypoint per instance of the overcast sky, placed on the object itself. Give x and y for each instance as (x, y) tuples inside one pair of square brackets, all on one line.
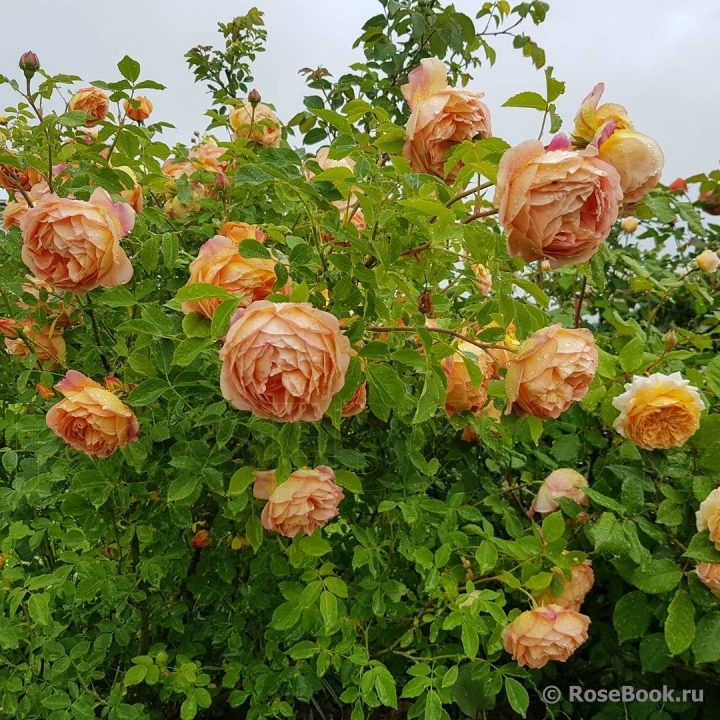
[(659, 58)]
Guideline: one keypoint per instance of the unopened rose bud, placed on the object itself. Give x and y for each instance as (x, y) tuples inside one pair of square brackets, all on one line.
[(29, 63), (112, 383), (155, 496), (670, 339), (254, 97), (545, 265), (3, 120), (201, 539), (138, 109), (678, 184), (109, 552), (629, 224), (44, 391), (708, 261)]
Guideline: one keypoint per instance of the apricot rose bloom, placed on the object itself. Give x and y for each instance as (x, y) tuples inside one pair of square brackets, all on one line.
[(284, 362), (552, 370), (74, 245), (15, 211), (239, 231), (220, 263), (548, 633), (95, 103), (709, 575), (708, 261), (90, 418), (46, 342), (307, 500), (574, 589), (441, 117), (259, 123), (462, 394), (708, 516), (558, 203), (562, 483), (138, 109), (658, 412), (357, 403)]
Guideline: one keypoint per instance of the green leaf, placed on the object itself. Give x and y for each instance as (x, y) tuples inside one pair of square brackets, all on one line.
[(631, 616), (385, 686), (254, 532), (286, 616), (39, 609), (221, 318), (470, 640), (433, 706), (712, 375), (348, 480), (117, 297), (429, 400), (201, 291), (10, 460), (240, 481), (147, 392), (315, 546), (517, 696), (73, 119), (486, 556), (680, 623), (188, 710), (657, 576), (387, 390), (336, 586), (129, 68), (450, 677), (553, 527), (527, 100), (604, 501), (252, 175), (706, 646), (303, 650), (631, 356), (183, 487), (135, 675), (328, 609), (196, 325), (702, 548), (188, 350), (253, 249)]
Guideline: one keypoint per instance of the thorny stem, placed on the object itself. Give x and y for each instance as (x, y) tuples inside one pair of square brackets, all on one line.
[(444, 331)]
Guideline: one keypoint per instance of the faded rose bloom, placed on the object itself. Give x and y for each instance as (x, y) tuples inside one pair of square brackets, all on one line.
[(201, 539), (95, 103), (574, 590), (284, 362), (90, 418), (484, 279), (708, 516), (462, 395), (219, 263), (548, 633), (239, 231), (356, 404), (15, 211), (708, 261), (557, 204), (46, 342), (562, 483), (552, 370), (138, 109), (629, 224), (75, 244), (658, 412), (307, 500), (258, 122), (441, 118), (709, 575)]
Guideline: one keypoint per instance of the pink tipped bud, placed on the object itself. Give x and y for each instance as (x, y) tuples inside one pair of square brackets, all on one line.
[(112, 383), (29, 63), (678, 184), (254, 97)]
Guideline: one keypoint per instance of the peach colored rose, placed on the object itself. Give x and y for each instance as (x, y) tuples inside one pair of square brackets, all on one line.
[(46, 342), (462, 395), (90, 418), (134, 195), (708, 261), (95, 103), (441, 118), (239, 231), (307, 500), (259, 123), (12, 178), (284, 362), (574, 589), (219, 263), (562, 483), (557, 203), (15, 211), (709, 575), (708, 516), (175, 169), (658, 412), (54, 306), (356, 404), (206, 156), (548, 633), (484, 279), (552, 370), (74, 245), (138, 109)]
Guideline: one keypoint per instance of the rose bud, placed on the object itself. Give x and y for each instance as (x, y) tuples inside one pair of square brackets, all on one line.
[(708, 261), (709, 575), (629, 224), (708, 516), (678, 184), (254, 97), (111, 383), (545, 265), (562, 483), (548, 633), (201, 539), (138, 109), (44, 391), (29, 63), (109, 552), (574, 590), (710, 202), (154, 496), (670, 340), (484, 279), (658, 412)]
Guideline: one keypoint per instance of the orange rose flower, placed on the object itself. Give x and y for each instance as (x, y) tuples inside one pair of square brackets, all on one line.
[(46, 342), (548, 633), (284, 362), (708, 261), (357, 403), (239, 231), (259, 123), (54, 307), (441, 117), (307, 500), (708, 516), (566, 483), (574, 590), (12, 178), (75, 244), (95, 103), (461, 394), (556, 203), (219, 263), (658, 412), (90, 418), (552, 370), (15, 211), (138, 109), (709, 575)]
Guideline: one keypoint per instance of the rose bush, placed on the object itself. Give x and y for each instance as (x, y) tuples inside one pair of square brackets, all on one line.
[(305, 419)]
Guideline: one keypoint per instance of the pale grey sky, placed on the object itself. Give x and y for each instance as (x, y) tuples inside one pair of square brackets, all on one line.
[(659, 58)]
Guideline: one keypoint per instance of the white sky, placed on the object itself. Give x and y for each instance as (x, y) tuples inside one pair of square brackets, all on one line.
[(659, 58)]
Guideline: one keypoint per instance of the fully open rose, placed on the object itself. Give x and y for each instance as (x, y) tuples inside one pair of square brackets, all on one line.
[(284, 362), (75, 244), (462, 393), (90, 418), (258, 123), (95, 103)]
